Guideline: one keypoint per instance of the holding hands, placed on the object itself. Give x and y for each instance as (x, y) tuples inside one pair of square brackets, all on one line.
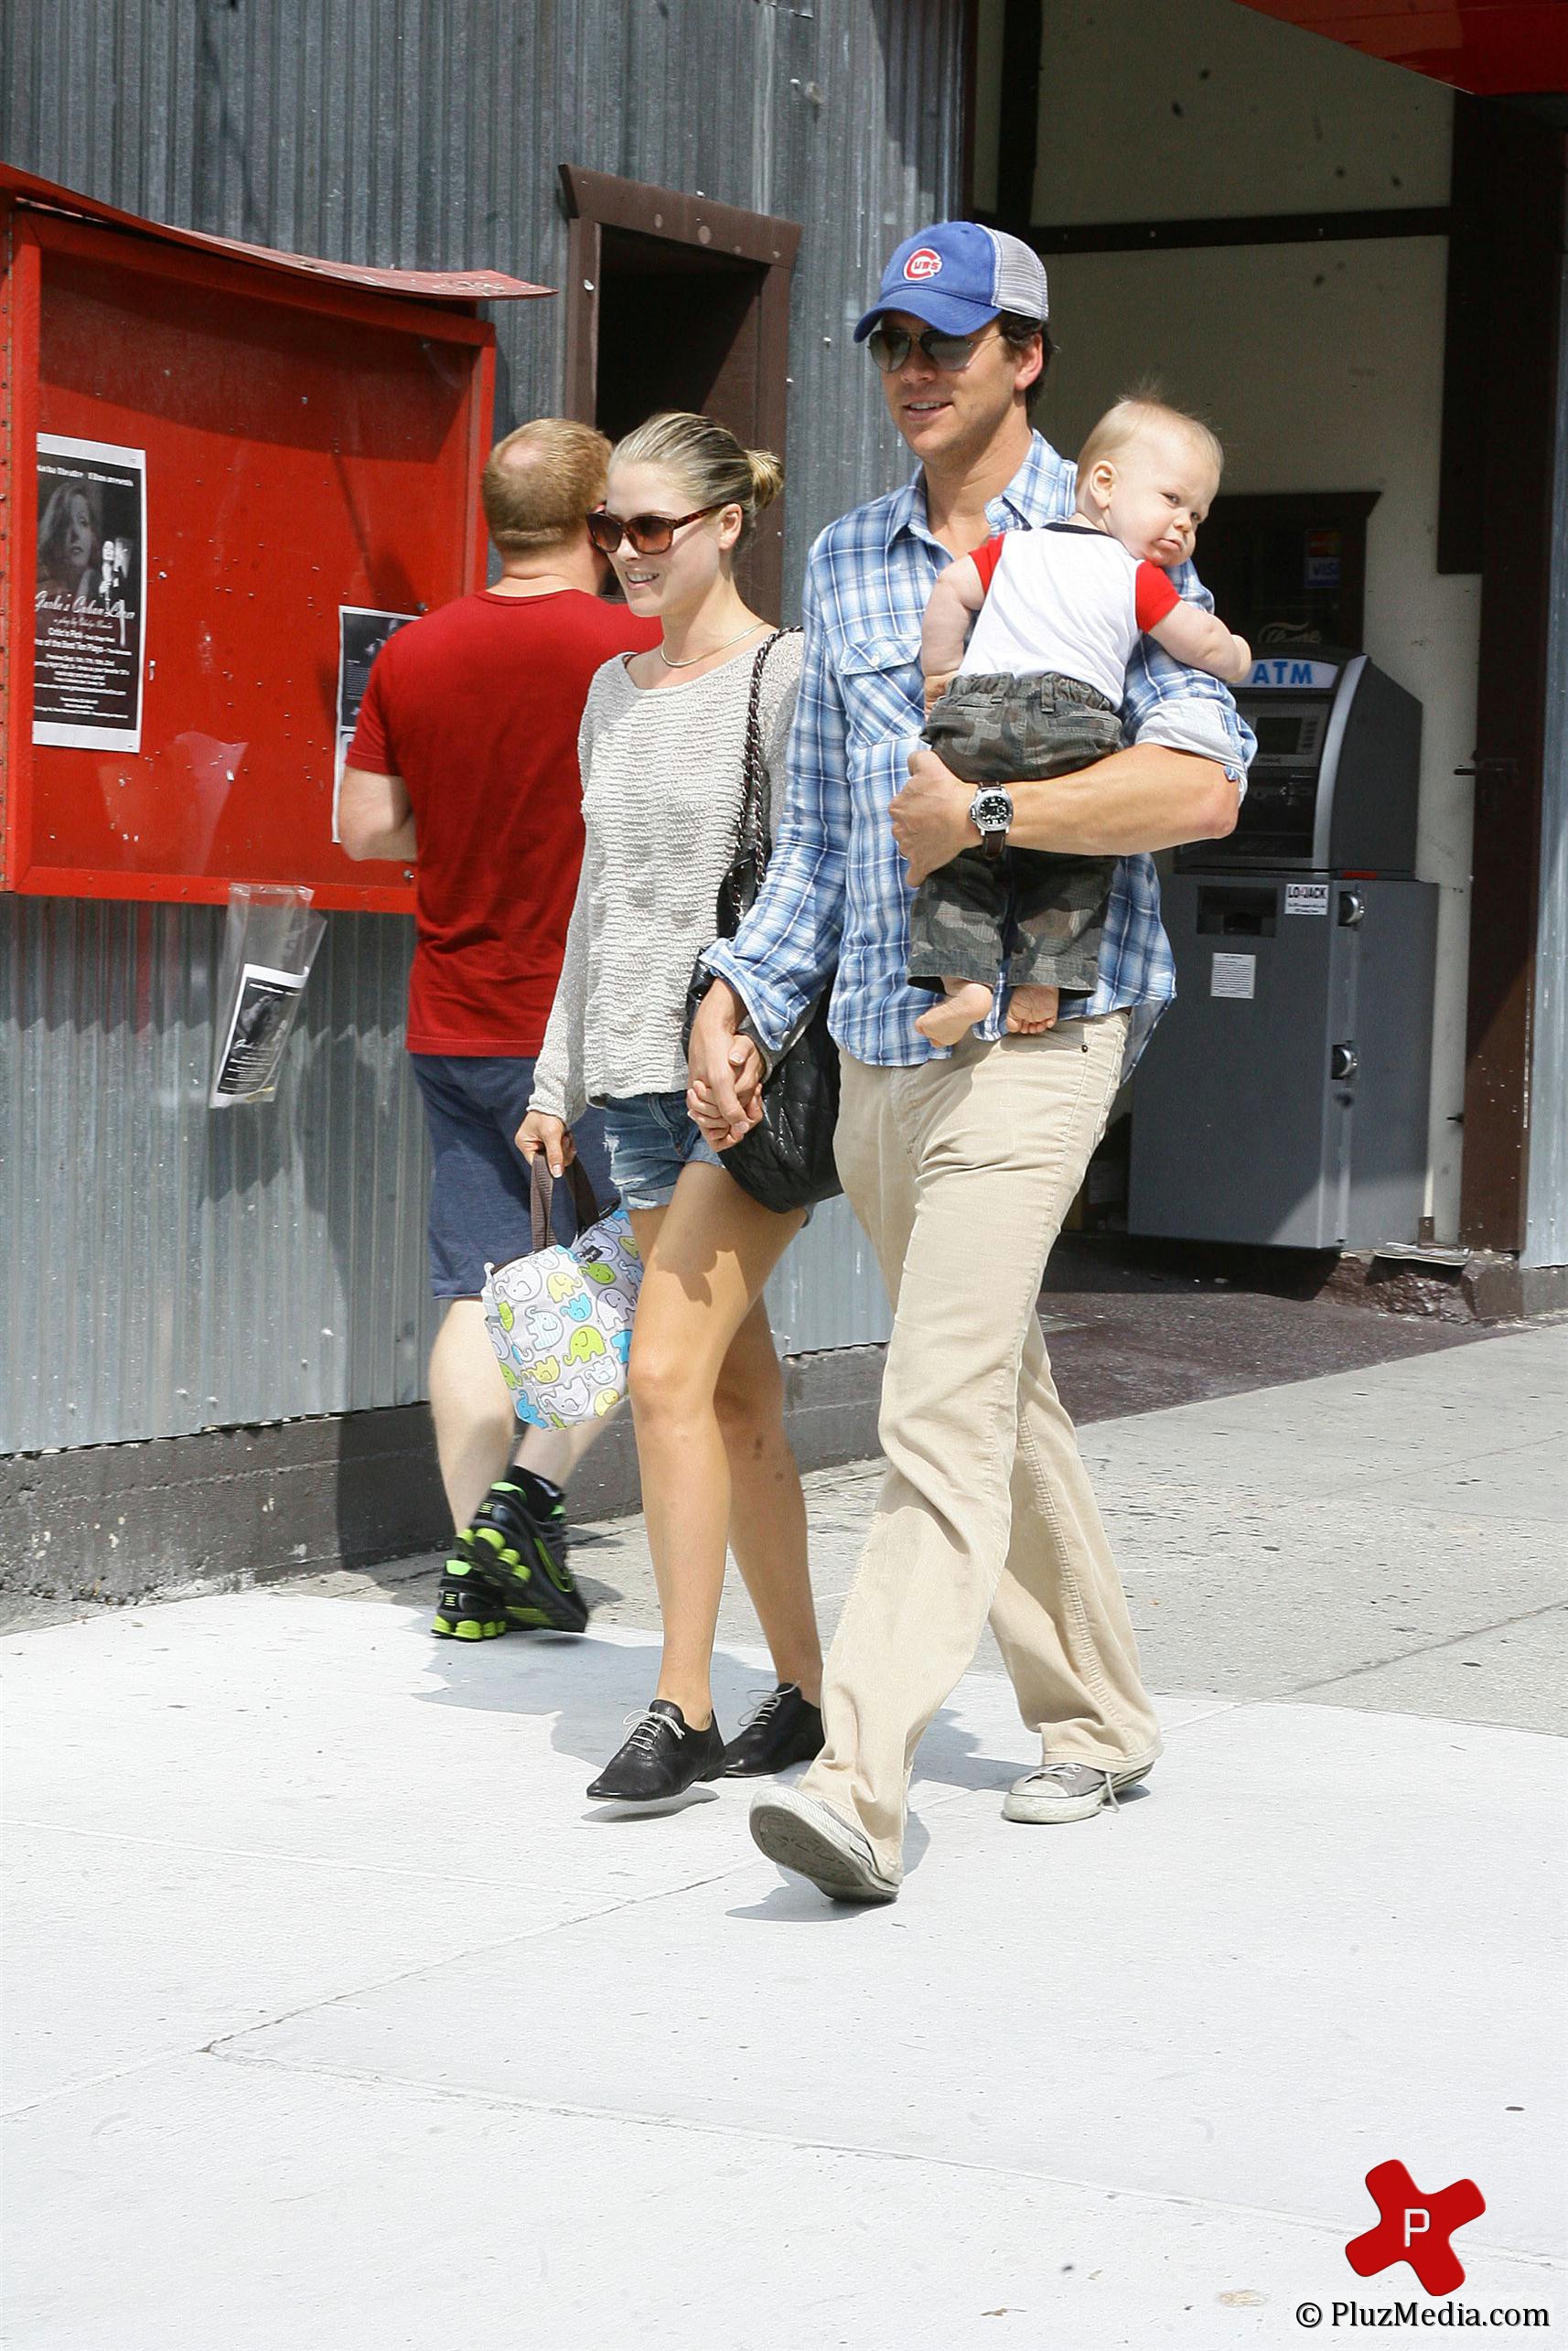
[(725, 1069)]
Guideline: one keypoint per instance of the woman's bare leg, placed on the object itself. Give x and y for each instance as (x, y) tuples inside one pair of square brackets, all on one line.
[(706, 1258), (768, 1510)]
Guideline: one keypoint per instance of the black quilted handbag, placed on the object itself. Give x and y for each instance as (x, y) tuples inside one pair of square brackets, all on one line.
[(786, 1160)]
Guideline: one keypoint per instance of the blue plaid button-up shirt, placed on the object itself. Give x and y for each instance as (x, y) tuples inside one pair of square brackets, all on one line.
[(836, 891)]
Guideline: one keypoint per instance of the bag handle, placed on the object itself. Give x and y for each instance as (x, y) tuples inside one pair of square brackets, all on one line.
[(753, 834), (541, 1193)]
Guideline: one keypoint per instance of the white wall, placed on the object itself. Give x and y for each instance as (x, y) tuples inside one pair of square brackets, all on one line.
[(1320, 365), (1180, 110)]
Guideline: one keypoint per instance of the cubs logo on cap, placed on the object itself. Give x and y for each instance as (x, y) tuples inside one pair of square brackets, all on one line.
[(957, 276)]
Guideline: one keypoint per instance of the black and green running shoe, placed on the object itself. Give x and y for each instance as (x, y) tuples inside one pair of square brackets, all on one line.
[(468, 1608), (509, 1566)]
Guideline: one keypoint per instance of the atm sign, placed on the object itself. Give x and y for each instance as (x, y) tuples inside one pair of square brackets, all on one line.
[(1289, 671)]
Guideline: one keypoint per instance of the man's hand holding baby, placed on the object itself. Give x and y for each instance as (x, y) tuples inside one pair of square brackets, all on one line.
[(930, 816)]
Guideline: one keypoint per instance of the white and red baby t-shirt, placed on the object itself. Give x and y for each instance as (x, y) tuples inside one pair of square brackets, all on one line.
[(1064, 598)]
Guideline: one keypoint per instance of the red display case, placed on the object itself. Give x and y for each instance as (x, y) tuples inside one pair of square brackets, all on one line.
[(207, 451)]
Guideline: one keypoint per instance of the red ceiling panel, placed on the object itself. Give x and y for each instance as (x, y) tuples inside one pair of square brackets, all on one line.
[(1497, 49)]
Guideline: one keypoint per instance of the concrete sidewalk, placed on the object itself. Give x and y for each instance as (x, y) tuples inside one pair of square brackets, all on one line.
[(344, 2024)]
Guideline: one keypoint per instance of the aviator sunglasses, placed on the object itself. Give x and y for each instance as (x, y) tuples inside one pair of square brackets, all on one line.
[(891, 346), (650, 534)]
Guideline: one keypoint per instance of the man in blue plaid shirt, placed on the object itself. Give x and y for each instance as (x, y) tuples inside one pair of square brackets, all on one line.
[(960, 1165)]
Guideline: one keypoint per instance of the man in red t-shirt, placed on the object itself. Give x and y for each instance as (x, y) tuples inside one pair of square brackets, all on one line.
[(464, 761)]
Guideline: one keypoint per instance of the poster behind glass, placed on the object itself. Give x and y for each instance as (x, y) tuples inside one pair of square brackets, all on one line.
[(91, 603), (361, 633)]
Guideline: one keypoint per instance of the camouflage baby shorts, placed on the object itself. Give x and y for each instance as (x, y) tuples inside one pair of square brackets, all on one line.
[(1029, 915)]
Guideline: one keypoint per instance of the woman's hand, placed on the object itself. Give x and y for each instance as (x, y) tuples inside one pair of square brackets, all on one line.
[(930, 817), (539, 1132)]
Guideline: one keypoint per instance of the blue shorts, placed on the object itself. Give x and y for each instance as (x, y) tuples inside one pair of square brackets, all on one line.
[(480, 1198), (650, 1137)]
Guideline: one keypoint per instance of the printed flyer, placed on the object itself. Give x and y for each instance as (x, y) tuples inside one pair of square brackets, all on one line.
[(92, 594), (264, 1007), (360, 636)]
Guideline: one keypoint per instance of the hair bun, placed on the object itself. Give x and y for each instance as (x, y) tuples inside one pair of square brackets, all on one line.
[(766, 476)]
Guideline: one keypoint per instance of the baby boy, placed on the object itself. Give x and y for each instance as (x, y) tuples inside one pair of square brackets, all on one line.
[(1051, 619)]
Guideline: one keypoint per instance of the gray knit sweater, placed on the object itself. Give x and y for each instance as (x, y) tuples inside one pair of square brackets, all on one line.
[(661, 793)]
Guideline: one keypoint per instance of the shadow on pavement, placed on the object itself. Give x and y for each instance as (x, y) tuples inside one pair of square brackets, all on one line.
[(592, 1685)]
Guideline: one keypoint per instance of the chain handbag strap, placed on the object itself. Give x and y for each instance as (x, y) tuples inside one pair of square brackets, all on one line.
[(754, 836)]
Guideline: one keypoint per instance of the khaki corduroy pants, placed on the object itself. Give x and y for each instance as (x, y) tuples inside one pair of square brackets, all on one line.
[(960, 1172)]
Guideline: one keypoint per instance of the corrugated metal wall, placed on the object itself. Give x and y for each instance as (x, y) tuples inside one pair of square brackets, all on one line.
[(167, 1270), (179, 1269), (427, 133)]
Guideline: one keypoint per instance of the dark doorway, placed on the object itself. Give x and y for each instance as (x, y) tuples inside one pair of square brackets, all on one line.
[(677, 303), (678, 328)]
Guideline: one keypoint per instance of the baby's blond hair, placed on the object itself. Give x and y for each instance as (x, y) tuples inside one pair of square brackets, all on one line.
[(1139, 412)]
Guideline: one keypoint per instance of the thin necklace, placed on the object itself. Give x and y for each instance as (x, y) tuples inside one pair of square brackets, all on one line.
[(692, 660)]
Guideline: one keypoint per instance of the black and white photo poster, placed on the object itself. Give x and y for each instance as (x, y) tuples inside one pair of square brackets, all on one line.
[(361, 633), (259, 1026), (92, 594)]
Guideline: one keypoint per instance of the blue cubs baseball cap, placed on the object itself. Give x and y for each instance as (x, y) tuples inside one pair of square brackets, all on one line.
[(957, 276)]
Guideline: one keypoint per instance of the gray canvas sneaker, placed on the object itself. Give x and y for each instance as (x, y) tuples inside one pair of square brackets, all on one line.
[(1067, 1791), (802, 1834)]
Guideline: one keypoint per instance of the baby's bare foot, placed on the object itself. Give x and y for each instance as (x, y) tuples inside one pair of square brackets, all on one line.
[(966, 1002), (1031, 1011)]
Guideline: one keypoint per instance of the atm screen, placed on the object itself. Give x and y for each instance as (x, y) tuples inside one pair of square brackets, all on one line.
[(1292, 733), (1279, 737)]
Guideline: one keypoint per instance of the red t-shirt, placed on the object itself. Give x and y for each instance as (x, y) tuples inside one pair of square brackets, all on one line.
[(476, 708)]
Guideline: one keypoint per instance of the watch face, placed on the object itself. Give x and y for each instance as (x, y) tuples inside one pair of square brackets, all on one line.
[(991, 810)]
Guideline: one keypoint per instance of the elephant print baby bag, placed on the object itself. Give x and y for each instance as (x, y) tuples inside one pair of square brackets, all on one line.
[(559, 1321)]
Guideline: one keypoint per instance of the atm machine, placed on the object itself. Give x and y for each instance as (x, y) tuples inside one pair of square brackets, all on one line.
[(1283, 1098)]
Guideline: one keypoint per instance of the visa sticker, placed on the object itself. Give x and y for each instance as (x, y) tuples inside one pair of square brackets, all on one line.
[(1307, 897)]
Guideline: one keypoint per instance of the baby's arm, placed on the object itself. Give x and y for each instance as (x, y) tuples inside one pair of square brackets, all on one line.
[(1202, 641), (949, 612)]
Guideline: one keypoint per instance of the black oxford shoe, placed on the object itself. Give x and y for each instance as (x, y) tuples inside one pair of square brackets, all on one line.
[(784, 1729), (662, 1758)]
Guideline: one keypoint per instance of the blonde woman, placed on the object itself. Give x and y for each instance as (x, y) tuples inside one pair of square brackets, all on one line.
[(662, 751)]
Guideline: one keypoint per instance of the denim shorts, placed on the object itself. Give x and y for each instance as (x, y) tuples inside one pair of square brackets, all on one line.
[(479, 1195), (649, 1138)]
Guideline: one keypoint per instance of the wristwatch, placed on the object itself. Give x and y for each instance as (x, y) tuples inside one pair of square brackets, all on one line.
[(991, 810)]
